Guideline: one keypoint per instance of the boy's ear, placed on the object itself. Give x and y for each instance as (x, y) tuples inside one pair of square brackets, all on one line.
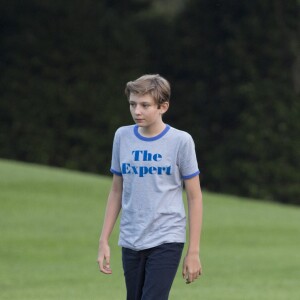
[(164, 107)]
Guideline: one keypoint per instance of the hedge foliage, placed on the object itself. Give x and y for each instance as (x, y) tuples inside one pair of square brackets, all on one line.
[(234, 67)]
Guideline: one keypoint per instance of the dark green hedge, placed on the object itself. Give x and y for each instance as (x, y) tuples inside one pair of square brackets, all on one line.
[(233, 65)]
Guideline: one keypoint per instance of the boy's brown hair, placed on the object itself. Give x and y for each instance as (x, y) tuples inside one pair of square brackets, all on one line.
[(154, 85)]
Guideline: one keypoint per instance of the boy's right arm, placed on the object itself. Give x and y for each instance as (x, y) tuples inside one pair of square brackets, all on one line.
[(111, 214)]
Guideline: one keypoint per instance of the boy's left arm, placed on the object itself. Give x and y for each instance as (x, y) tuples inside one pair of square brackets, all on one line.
[(192, 265)]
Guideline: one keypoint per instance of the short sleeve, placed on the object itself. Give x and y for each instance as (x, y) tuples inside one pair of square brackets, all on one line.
[(115, 160), (187, 159)]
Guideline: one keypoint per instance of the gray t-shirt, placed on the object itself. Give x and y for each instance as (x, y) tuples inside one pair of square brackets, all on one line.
[(153, 170)]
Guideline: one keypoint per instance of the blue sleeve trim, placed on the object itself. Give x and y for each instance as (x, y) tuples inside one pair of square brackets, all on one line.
[(115, 172), (191, 175)]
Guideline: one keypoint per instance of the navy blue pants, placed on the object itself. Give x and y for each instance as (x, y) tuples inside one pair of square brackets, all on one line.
[(149, 273)]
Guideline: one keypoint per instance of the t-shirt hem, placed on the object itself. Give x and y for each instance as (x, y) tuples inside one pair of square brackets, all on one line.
[(124, 245)]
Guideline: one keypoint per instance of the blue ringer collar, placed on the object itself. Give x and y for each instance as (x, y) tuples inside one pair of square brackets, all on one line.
[(153, 138)]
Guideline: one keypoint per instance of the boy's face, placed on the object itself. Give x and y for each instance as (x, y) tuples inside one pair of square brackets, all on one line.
[(145, 111)]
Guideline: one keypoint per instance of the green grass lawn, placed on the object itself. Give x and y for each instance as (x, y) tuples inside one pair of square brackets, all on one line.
[(50, 220)]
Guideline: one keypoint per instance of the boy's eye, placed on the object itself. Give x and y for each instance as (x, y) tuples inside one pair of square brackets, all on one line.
[(144, 105)]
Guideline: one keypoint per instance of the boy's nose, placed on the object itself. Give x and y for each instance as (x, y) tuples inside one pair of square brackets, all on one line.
[(137, 110)]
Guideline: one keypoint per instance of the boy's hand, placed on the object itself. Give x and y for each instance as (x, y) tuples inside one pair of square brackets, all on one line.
[(191, 268), (104, 258)]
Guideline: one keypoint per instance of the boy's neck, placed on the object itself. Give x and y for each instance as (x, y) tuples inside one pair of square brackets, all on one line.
[(152, 130)]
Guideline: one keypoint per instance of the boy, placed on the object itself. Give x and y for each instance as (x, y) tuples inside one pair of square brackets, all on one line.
[(150, 163)]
